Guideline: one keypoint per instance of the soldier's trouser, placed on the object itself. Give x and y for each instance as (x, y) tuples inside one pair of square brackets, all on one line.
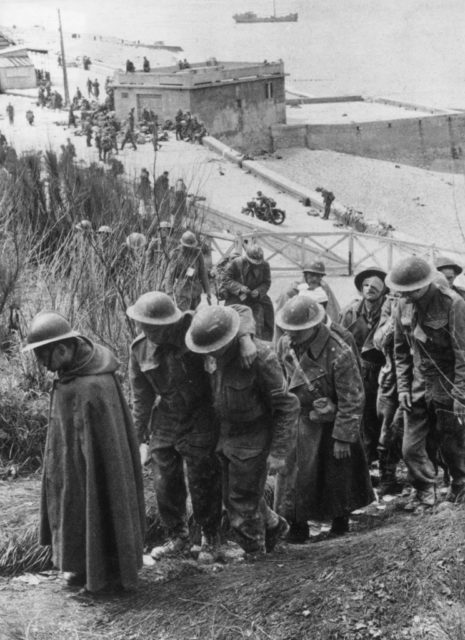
[(204, 480), (243, 488), (390, 439), (433, 417), (371, 424)]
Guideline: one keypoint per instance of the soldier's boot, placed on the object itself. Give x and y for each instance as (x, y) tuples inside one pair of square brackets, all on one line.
[(456, 494), (275, 534), (427, 500), (388, 484), (412, 502), (175, 546), (210, 549)]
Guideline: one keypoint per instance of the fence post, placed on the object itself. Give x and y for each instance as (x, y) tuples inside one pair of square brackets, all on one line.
[(351, 252), (390, 254)]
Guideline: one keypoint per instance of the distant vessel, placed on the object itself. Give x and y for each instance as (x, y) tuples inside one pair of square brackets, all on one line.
[(167, 47), (250, 16)]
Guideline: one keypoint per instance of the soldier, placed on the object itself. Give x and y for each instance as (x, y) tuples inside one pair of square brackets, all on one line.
[(257, 419), (92, 508), (160, 190), (313, 275), (387, 404), (10, 110), (247, 281), (90, 88), (450, 270), (129, 131), (361, 318), (326, 474), (187, 274), (429, 342), (172, 404)]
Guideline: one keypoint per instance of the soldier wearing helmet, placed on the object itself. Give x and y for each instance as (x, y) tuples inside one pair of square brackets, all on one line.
[(187, 275), (361, 318), (429, 343), (313, 274), (92, 507), (172, 406), (257, 418), (326, 475), (247, 280), (450, 270)]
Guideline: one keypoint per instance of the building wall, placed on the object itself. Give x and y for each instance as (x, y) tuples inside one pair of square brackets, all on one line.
[(241, 114), (17, 78), (164, 102), (430, 142)]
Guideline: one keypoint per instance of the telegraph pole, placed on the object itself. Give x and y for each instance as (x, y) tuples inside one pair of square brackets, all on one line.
[(63, 63)]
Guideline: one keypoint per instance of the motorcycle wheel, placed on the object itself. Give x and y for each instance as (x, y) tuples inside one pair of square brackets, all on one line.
[(278, 216)]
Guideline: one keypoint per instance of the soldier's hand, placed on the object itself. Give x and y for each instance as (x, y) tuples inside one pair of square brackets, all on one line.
[(405, 401), (255, 293), (144, 453), (341, 449), (247, 351), (459, 410), (275, 464)]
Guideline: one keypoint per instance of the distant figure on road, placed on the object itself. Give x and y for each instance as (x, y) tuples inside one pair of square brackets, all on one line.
[(11, 113), (146, 65), (328, 199), (30, 116), (90, 88), (96, 86)]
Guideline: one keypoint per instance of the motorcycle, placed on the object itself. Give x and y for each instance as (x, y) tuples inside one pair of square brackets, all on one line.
[(267, 213)]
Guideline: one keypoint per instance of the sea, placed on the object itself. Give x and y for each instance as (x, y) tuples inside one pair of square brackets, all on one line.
[(411, 50)]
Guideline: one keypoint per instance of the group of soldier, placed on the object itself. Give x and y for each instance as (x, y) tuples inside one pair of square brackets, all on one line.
[(188, 127), (226, 395)]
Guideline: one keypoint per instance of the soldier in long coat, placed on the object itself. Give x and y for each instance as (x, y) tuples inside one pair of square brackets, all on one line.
[(326, 475), (92, 507)]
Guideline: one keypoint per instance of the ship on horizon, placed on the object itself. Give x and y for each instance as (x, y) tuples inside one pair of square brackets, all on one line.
[(250, 16)]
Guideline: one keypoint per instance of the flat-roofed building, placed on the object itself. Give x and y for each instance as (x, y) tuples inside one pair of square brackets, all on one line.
[(237, 101)]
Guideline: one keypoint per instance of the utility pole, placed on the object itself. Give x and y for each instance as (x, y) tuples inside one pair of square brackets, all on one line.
[(63, 63)]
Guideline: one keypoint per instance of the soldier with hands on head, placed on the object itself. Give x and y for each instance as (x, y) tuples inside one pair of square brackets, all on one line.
[(257, 417)]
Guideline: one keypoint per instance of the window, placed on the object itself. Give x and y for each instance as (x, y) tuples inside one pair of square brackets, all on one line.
[(239, 103), (269, 90), (125, 94)]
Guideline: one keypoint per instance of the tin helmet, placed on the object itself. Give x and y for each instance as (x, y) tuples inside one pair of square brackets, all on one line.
[(318, 295), (212, 328), (104, 229), (155, 308), (300, 313), (443, 262), (47, 327), (315, 267), (254, 254), (410, 274), (188, 240)]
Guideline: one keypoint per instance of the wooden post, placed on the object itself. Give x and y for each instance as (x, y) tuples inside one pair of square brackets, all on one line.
[(63, 63), (351, 253)]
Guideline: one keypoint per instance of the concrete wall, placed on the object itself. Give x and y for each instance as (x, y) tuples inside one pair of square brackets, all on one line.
[(241, 114), (170, 100), (17, 78), (424, 142)]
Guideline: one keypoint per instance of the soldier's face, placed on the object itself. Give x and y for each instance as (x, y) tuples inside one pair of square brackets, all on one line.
[(299, 337), (449, 275), (158, 334), (372, 288), (313, 279)]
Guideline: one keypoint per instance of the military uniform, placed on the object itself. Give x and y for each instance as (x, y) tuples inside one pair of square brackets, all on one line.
[(430, 363), (187, 277), (172, 402), (316, 485), (362, 324), (257, 416), (239, 273)]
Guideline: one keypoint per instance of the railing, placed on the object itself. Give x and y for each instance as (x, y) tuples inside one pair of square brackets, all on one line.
[(344, 252)]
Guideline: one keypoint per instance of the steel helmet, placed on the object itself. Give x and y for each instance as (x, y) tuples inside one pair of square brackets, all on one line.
[(443, 262), (368, 273), (254, 254), (410, 274), (164, 224), (188, 240), (299, 313), (104, 229), (212, 328), (154, 308), (315, 267), (83, 225), (318, 295), (47, 327), (136, 240)]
